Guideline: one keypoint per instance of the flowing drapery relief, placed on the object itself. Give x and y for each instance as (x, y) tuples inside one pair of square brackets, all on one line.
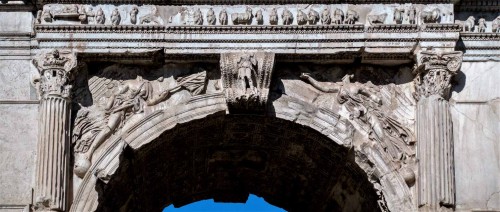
[(119, 93), (377, 102)]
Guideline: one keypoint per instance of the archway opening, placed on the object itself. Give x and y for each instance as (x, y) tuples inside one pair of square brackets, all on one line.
[(227, 157), (254, 203)]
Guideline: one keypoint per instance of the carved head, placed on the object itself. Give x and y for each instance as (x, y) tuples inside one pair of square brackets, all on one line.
[(312, 13), (259, 13), (301, 16), (210, 12), (471, 18), (54, 53), (134, 10), (274, 12)]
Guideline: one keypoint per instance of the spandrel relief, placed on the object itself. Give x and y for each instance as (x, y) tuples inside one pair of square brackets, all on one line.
[(119, 94), (377, 101), (217, 15)]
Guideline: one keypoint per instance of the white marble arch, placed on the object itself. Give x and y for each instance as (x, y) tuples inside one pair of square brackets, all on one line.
[(386, 179)]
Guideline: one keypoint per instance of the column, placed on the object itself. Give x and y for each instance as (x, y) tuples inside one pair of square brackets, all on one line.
[(53, 150), (436, 181)]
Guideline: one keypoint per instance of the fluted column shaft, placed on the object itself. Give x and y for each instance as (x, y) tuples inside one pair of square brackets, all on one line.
[(53, 172), (53, 157), (435, 153), (436, 181)]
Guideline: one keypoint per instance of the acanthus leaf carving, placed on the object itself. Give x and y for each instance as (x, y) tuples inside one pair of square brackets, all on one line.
[(434, 73), (56, 72), (246, 78)]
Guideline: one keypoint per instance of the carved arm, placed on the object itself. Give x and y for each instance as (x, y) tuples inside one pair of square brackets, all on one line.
[(327, 87)]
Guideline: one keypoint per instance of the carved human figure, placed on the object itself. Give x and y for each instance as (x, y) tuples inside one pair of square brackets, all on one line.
[(259, 17), (398, 15), (273, 17), (481, 25), (151, 18), (432, 16), (287, 17), (247, 71), (469, 24), (115, 17), (211, 19), (47, 16), (363, 103), (95, 124), (338, 16), (326, 18), (377, 19), (313, 17), (412, 14), (99, 16), (198, 17), (133, 15), (301, 18), (82, 15), (243, 18), (496, 25), (351, 17), (223, 17)]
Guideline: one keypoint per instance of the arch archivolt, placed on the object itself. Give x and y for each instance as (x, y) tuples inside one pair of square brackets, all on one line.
[(339, 103)]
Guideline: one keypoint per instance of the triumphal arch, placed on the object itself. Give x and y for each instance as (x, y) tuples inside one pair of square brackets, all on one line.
[(314, 105)]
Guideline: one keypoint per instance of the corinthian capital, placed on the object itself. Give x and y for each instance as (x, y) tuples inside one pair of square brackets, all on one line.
[(56, 71), (434, 73)]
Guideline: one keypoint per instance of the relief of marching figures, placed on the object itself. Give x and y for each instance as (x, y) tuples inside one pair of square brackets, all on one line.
[(259, 15)]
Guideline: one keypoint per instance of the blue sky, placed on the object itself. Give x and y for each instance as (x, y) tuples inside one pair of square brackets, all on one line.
[(253, 203)]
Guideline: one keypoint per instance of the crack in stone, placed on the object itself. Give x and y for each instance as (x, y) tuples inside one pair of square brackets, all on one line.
[(474, 121), (489, 198)]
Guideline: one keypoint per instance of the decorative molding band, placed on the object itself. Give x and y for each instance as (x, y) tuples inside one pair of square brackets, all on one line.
[(393, 28), (232, 2), (99, 28), (290, 29), (441, 28), (479, 36), (293, 29)]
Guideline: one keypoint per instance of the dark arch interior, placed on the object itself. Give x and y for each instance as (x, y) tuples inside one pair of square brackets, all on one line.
[(227, 157)]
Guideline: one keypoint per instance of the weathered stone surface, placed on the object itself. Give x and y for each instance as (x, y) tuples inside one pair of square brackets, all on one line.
[(17, 153), (477, 132), (153, 75), (15, 79), (477, 82), (16, 22)]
